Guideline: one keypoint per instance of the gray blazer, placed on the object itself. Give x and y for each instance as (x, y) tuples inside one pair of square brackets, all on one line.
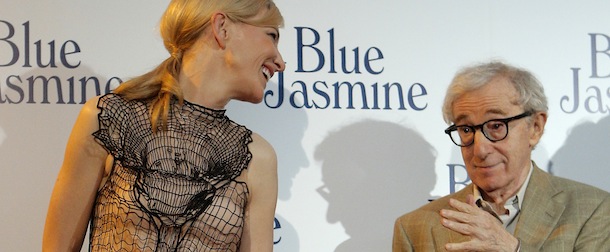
[(557, 214)]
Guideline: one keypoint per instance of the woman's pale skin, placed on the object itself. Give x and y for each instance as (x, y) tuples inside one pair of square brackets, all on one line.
[(219, 67)]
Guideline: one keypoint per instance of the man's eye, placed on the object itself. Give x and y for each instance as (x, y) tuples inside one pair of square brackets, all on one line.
[(464, 129), (495, 125)]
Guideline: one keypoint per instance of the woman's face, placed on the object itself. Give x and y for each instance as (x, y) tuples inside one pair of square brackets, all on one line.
[(253, 58)]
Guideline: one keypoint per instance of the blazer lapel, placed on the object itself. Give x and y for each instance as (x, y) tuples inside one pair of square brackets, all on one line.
[(540, 210)]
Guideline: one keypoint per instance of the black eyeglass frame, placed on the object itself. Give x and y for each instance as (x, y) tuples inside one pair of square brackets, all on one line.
[(480, 127)]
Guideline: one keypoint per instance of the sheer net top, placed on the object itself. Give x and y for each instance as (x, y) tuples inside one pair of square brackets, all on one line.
[(173, 190)]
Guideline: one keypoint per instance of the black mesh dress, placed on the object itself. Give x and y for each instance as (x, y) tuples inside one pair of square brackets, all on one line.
[(174, 190)]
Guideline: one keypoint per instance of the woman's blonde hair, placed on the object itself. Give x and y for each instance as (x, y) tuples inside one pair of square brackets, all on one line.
[(180, 26)]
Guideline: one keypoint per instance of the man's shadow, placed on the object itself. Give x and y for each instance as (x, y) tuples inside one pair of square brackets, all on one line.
[(584, 157), (373, 172), (283, 128)]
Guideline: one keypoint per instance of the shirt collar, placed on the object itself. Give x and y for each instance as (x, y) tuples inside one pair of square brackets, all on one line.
[(520, 194)]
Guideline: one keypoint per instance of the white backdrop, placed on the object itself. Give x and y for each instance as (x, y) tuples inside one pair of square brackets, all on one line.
[(349, 164)]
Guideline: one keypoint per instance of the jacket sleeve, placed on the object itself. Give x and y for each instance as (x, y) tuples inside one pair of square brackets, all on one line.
[(595, 234), (400, 241)]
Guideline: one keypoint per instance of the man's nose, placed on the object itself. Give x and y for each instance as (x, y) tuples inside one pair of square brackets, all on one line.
[(482, 145)]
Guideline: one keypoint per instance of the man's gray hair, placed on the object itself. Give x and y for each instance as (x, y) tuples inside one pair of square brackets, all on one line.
[(531, 92)]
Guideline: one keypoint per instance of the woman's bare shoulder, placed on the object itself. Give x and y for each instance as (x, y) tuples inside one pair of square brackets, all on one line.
[(261, 149)]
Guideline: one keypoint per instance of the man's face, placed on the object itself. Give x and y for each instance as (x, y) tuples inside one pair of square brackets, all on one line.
[(500, 166)]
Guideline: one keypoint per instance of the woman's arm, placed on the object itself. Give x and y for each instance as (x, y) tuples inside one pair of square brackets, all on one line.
[(257, 235), (76, 185)]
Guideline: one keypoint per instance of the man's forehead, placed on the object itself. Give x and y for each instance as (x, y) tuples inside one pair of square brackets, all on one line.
[(488, 102), (481, 114)]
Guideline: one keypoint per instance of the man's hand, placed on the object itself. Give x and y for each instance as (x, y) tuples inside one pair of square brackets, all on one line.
[(485, 231)]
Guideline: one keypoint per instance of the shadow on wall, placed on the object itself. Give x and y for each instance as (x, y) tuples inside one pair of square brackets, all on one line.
[(373, 172), (2, 135), (283, 128), (584, 156), (35, 123)]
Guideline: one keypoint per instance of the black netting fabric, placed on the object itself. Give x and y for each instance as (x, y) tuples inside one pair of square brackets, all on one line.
[(174, 190)]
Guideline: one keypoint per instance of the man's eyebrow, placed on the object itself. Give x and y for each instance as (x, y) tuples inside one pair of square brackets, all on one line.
[(497, 112), (459, 118)]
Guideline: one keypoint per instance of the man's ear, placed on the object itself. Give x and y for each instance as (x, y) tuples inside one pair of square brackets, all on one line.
[(219, 28), (539, 121)]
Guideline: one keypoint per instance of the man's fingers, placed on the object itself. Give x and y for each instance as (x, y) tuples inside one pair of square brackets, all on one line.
[(460, 227), (462, 206)]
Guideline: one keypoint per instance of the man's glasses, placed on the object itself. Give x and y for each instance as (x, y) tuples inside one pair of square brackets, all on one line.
[(494, 130)]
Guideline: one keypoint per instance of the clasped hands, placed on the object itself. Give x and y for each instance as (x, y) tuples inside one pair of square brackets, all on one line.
[(485, 231)]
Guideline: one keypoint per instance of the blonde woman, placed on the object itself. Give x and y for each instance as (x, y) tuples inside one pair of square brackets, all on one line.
[(156, 165)]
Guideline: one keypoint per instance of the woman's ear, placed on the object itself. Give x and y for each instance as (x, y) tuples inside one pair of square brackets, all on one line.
[(219, 28)]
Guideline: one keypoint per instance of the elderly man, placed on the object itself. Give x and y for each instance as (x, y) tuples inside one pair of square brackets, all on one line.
[(498, 113)]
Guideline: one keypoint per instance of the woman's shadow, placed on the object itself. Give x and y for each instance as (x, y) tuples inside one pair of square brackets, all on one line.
[(373, 172)]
